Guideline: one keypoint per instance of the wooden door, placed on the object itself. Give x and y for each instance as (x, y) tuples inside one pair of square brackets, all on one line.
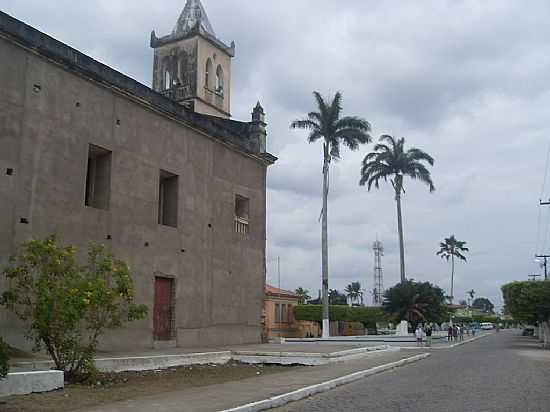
[(163, 311)]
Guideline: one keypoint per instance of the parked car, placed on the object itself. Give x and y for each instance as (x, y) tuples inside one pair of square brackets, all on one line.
[(487, 325)]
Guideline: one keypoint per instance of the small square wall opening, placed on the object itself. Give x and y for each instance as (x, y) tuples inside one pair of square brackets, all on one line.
[(168, 199), (242, 212), (98, 178)]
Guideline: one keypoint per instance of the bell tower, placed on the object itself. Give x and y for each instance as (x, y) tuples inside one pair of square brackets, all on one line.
[(192, 66)]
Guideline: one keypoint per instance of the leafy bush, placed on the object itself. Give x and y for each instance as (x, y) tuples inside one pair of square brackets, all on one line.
[(527, 301), (68, 307), (367, 316), (415, 302), (4, 358)]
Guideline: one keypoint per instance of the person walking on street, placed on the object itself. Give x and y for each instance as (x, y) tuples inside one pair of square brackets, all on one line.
[(419, 335), (461, 332), (450, 333), (429, 335), (455, 333)]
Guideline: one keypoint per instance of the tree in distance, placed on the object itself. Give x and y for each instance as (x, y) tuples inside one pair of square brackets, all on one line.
[(354, 292), (416, 302), (337, 298), (390, 160), (451, 247), (529, 302), (327, 125), (484, 305), (303, 295), (471, 293)]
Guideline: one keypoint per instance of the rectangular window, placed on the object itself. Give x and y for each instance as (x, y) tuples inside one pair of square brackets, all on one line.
[(242, 210), (290, 314), (168, 199), (277, 313), (98, 178)]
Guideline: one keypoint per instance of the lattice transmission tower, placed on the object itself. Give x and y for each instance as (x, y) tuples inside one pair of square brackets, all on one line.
[(378, 291)]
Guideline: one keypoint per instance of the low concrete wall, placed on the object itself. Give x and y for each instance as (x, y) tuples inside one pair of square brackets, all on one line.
[(23, 383), (147, 363), (140, 363)]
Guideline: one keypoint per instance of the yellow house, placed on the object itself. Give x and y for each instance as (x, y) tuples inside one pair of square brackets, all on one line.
[(279, 313)]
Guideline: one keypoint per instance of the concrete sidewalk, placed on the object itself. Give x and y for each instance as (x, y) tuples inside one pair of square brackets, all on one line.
[(233, 394), (304, 354)]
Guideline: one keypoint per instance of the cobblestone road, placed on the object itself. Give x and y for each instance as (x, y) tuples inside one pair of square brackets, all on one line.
[(502, 372)]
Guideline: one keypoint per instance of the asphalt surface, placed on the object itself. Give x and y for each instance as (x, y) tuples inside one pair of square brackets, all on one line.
[(501, 372)]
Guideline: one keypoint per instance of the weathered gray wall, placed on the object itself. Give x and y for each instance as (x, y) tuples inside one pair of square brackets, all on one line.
[(44, 137)]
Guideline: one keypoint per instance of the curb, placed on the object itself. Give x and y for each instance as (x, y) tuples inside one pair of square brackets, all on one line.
[(454, 345), (302, 393)]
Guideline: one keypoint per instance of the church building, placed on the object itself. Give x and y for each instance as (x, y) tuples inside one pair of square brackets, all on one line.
[(163, 176)]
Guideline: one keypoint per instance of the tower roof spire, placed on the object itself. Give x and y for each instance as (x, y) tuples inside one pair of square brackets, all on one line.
[(193, 16)]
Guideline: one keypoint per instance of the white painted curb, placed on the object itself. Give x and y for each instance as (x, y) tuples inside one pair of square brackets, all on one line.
[(454, 345), (302, 393)]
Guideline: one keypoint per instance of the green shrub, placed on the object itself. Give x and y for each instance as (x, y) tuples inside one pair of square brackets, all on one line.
[(368, 316), (4, 358), (68, 307)]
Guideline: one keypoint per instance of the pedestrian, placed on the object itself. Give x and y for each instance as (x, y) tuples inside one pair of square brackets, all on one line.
[(419, 333), (450, 333), (461, 332), (429, 335), (455, 333)]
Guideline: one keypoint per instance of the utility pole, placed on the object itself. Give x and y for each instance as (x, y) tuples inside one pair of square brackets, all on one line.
[(545, 257)]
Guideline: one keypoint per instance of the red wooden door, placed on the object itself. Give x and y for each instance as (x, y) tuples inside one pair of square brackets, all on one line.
[(163, 309)]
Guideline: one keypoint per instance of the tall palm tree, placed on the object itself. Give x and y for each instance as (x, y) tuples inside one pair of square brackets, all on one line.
[(471, 293), (353, 291), (326, 124), (451, 248), (389, 160)]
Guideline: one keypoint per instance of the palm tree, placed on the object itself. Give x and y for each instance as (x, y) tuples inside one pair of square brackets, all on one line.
[(451, 248), (303, 295), (326, 124), (415, 302), (353, 291), (471, 293), (389, 160)]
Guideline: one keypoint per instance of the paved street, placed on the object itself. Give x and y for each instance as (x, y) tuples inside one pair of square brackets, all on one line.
[(502, 372)]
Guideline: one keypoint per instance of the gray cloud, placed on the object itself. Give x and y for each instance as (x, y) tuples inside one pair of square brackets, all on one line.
[(467, 81)]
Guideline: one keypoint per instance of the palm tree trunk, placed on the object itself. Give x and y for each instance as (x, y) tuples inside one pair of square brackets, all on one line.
[(398, 186), (324, 244), (452, 277)]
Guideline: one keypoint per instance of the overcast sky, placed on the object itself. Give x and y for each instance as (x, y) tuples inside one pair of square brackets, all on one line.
[(467, 81)]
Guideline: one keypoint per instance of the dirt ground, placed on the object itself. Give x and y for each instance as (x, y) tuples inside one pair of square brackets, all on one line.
[(108, 388)]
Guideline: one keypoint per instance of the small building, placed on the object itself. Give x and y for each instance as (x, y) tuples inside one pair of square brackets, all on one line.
[(279, 313), (162, 176)]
